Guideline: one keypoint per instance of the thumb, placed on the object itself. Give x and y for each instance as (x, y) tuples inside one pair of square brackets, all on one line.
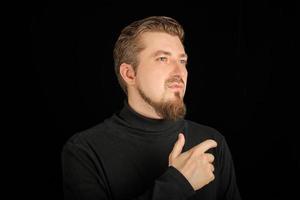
[(177, 146)]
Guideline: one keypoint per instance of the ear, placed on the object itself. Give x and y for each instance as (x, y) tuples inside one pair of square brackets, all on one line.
[(128, 74)]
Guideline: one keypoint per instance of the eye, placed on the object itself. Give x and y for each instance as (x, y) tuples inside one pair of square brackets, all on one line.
[(163, 59), (183, 62)]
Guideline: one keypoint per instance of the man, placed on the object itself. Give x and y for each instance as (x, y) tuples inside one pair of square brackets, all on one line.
[(148, 150)]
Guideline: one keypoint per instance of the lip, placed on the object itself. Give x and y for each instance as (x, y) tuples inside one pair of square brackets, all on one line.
[(176, 86)]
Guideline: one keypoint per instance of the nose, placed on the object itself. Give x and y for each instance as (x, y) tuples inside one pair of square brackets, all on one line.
[(176, 79), (179, 70)]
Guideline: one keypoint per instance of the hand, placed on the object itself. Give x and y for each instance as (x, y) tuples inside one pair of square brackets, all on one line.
[(195, 164)]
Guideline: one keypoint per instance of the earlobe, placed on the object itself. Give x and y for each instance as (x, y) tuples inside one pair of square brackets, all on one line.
[(127, 73)]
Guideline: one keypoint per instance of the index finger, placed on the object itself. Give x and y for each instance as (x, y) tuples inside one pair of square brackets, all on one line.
[(204, 146)]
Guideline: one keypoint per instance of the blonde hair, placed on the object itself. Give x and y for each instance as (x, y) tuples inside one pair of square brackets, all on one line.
[(128, 45)]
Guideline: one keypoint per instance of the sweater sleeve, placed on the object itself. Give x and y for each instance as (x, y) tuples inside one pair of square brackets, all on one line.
[(228, 189), (82, 180), (171, 185)]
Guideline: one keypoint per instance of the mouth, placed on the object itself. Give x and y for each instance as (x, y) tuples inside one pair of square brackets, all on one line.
[(176, 86)]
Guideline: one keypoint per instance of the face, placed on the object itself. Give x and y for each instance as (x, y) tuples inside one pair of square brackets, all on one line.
[(161, 75)]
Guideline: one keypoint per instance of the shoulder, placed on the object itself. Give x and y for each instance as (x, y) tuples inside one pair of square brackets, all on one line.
[(87, 137), (198, 133), (195, 129)]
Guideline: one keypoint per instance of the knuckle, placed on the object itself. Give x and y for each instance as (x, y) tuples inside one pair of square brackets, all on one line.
[(212, 168), (208, 168), (170, 157), (206, 156), (209, 156), (212, 177)]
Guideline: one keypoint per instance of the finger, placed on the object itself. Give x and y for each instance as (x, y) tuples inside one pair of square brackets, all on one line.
[(209, 157), (178, 146), (204, 146), (212, 167)]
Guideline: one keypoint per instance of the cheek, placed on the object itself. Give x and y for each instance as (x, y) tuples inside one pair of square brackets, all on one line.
[(152, 83)]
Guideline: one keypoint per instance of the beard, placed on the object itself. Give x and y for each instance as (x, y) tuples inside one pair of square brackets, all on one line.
[(168, 110)]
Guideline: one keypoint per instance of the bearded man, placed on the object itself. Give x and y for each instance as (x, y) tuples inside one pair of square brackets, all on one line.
[(148, 150)]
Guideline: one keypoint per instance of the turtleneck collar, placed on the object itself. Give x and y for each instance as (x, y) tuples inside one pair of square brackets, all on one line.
[(131, 119)]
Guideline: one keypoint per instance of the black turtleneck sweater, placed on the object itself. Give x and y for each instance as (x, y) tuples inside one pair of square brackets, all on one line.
[(126, 157)]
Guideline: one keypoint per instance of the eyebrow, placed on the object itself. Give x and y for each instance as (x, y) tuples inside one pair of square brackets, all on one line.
[(167, 53)]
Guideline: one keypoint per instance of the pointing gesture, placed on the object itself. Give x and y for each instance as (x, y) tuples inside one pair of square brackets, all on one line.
[(195, 164)]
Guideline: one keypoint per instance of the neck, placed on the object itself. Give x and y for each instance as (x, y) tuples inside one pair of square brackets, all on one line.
[(140, 106), (129, 119)]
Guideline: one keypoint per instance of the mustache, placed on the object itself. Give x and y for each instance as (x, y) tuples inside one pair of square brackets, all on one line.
[(175, 79)]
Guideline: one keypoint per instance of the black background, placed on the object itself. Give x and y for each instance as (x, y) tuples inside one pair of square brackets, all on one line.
[(241, 56)]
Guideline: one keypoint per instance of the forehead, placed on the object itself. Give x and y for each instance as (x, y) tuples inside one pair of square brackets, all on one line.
[(153, 41)]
